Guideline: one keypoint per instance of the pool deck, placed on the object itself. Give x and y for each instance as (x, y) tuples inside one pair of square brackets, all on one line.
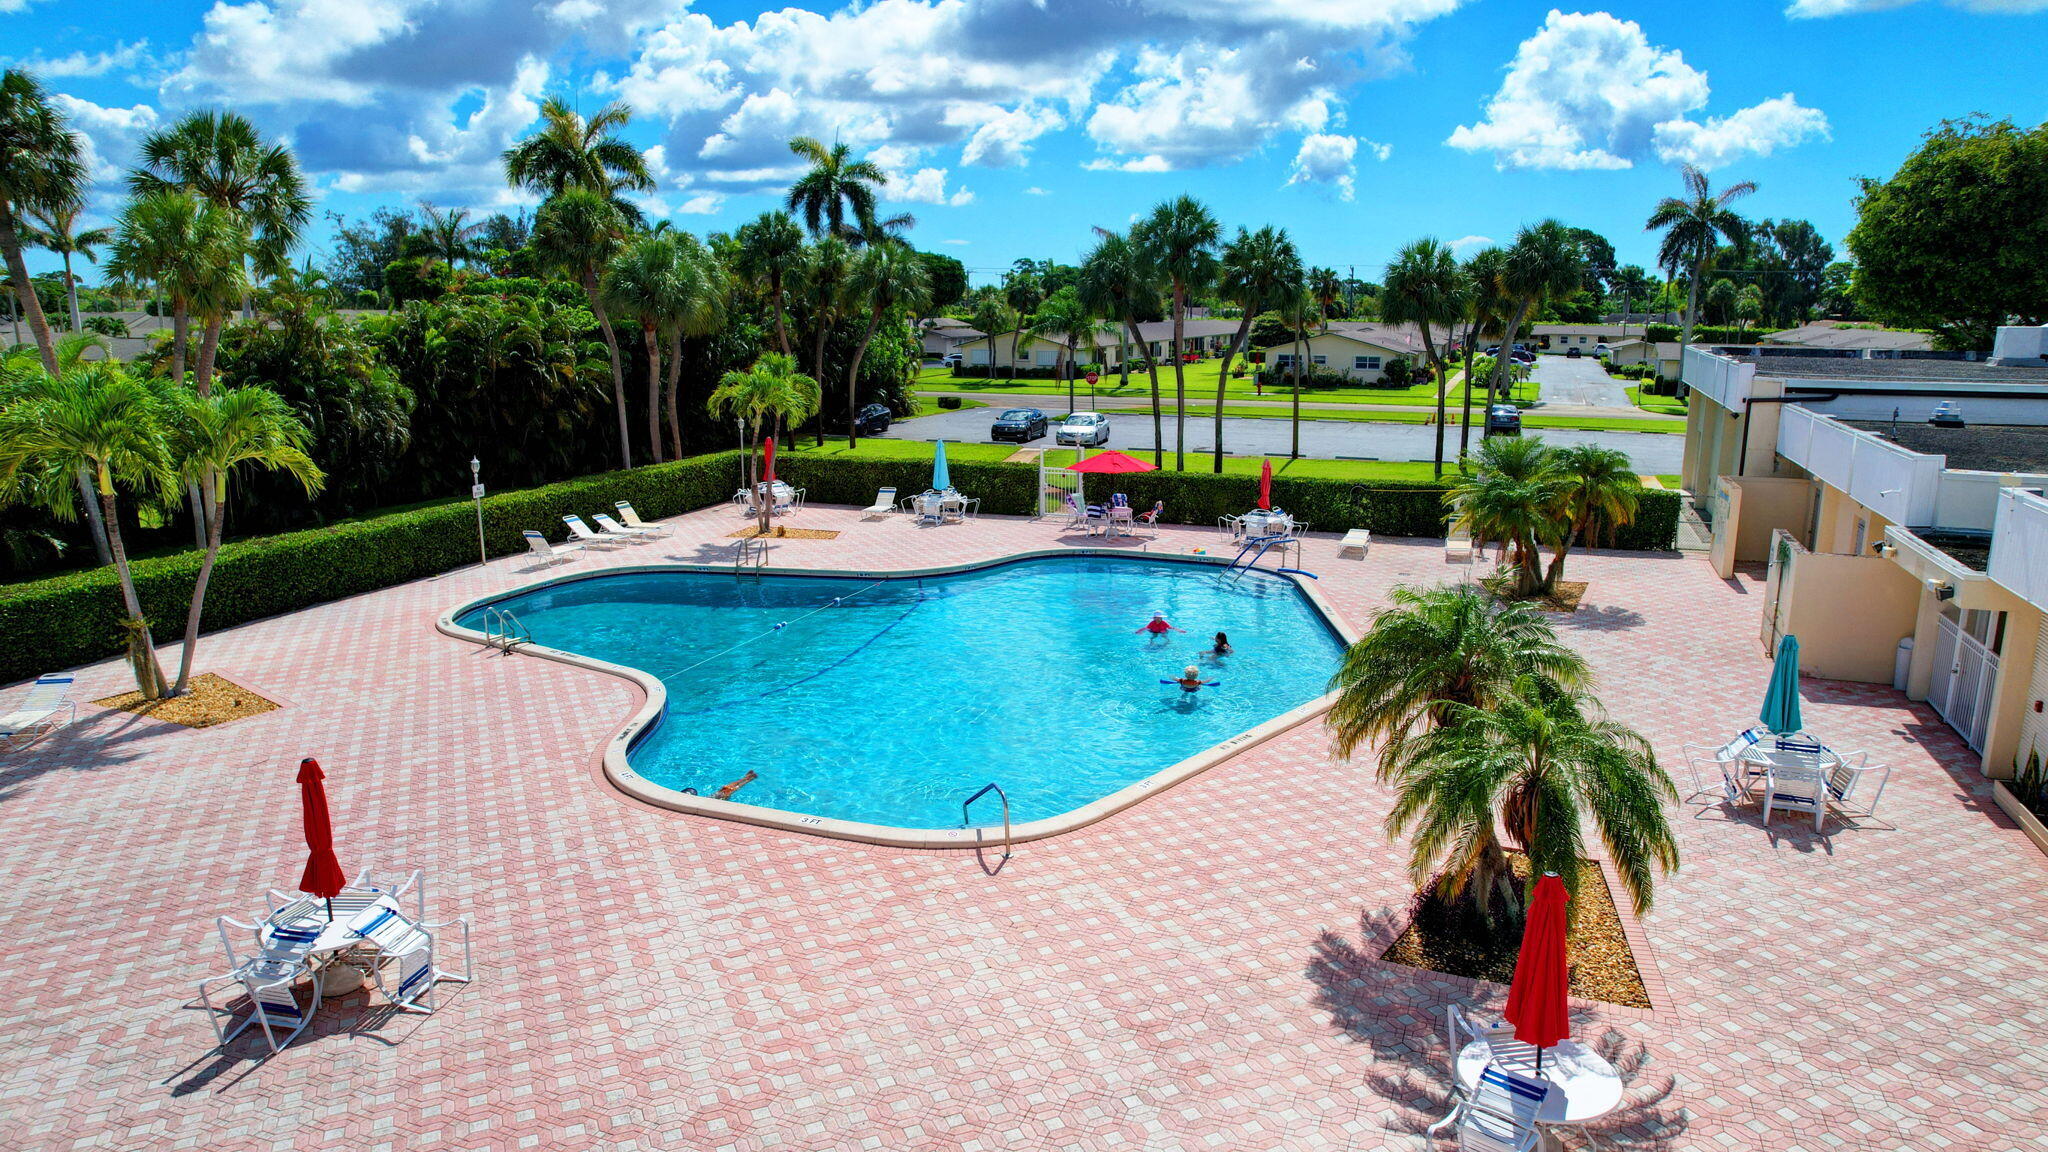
[(1198, 971)]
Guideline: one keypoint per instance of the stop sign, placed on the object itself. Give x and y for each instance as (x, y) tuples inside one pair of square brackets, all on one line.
[(1091, 377)]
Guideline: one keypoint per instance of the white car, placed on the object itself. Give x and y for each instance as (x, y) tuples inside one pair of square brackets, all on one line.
[(1602, 351), (1085, 429)]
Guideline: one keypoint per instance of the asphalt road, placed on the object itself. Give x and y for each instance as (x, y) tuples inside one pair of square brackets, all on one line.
[(1651, 453), (1583, 382)]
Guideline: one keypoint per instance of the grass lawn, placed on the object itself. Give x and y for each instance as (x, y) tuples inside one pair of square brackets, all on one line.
[(922, 405), (1201, 382), (1663, 405), (1529, 419), (1197, 461)]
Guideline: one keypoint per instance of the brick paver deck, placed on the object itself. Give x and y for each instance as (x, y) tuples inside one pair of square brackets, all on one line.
[(1197, 972)]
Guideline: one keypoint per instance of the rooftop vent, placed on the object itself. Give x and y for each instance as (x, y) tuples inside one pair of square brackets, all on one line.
[(1947, 414)]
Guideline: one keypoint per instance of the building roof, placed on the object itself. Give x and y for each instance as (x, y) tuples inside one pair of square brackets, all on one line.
[(956, 333), (2006, 448), (1878, 373), (1576, 329), (1385, 339), (1834, 334)]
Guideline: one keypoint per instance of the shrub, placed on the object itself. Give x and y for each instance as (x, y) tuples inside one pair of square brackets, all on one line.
[(1705, 334), (107, 325), (1002, 372), (949, 402)]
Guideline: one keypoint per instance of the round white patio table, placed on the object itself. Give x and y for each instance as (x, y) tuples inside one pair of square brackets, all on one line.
[(336, 979), (1584, 1086), (1259, 522)]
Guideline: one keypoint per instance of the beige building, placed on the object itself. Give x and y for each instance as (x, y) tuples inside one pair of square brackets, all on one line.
[(1199, 337), (1359, 351)]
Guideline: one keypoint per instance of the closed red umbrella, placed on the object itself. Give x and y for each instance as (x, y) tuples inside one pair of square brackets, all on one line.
[(1266, 485), (768, 461), (323, 876), (1536, 1000)]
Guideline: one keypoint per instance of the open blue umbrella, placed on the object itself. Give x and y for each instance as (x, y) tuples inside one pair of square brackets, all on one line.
[(942, 481), (1781, 701)]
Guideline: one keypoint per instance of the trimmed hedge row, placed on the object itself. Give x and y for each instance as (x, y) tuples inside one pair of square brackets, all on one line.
[(74, 619)]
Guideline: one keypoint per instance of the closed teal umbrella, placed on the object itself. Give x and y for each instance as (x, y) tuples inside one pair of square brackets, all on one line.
[(1781, 702), (942, 481)]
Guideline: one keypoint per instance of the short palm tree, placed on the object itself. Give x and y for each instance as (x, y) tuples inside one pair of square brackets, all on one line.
[(1486, 313), (192, 250), (887, 278), (1512, 500), (1298, 310), (42, 169), (1067, 322), (1254, 272), (96, 418), (1693, 227), (575, 232), (224, 159), (446, 235), (825, 274), (1537, 760), (701, 311), (1426, 287), (56, 230), (835, 187), (1180, 239), (768, 247), (1328, 289), (768, 394), (571, 152), (1544, 264), (211, 437), (1022, 291), (1632, 283), (1749, 308), (1118, 278), (1596, 491), (990, 314)]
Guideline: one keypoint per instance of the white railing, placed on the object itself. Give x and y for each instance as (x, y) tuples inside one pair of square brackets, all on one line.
[(1901, 485), (2019, 545), (1726, 382)]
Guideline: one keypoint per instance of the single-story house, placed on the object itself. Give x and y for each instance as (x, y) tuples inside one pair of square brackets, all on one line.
[(944, 335), (1584, 337), (1199, 336), (1361, 352), (1838, 335)]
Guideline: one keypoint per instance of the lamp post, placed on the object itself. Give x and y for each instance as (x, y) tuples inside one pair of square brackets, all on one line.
[(476, 494)]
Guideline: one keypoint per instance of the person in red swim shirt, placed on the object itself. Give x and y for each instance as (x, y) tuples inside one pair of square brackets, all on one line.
[(1159, 626)]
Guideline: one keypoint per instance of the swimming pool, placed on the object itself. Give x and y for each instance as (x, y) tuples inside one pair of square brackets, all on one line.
[(889, 701)]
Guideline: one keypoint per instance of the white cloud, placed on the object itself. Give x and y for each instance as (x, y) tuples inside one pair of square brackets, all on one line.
[(1035, 190), (1590, 91), (11, 6), (957, 243), (112, 136), (1002, 139), (1464, 242), (1326, 159), (1817, 8), (122, 58), (924, 186), (702, 204)]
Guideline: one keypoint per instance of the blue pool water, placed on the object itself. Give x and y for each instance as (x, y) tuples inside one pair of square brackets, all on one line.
[(895, 704)]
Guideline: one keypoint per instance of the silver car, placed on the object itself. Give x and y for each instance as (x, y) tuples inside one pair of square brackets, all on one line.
[(1084, 429)]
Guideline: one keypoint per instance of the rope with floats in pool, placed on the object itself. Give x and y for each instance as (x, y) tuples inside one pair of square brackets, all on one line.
[(834, 602)]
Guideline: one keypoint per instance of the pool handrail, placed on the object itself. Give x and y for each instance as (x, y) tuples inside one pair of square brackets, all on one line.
[(987, 788)]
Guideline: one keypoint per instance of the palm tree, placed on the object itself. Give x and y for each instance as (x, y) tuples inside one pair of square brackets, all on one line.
[(1633, 283), (1545, 263), (700, 312), (1424, 286), (446, 235), (1067, 322), (769, 246), (575, 232), (1117, 277), (1328, 289), (1431, 651), (1486, 315), (1693, 227), (1022, 291), (770, 393), (1180, 238), (193, 250), (224, 159), (835, 185), (990, 315), (42, 169), (1596, 489), (644, 283), (56, 230), (215, 435), (1512, 500), (1749, 308), (890, 278), (825, 275), (1255, 271), (569, 152), (1298, 310), (96, 418)]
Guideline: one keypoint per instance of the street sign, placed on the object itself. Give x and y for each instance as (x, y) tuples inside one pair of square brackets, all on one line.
[(476, 491), (1091, 377)]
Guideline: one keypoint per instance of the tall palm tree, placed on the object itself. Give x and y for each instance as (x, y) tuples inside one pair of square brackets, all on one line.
[(575, 232), (1117, 278), (1022, 291), (1328, 289), (1596, 489), (1066, 321), (1693, 227), (1512, 499), (768, 394), (1546, 262), (1632, 282), (1486, 315), (42, 169), (96, 418), (768, 247), (889, 278), (701, 311), (1180, 237), (643, 283), (56, 230), (446, 235), (990, 315), (1430, 652), (835, 186), (825, 276), (224, 159), (1254, 272), (1299, 311), (213, 436), (1425, 287), (570, 152)]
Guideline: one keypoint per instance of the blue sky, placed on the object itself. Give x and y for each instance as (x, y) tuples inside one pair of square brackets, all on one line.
[(1012, 126)]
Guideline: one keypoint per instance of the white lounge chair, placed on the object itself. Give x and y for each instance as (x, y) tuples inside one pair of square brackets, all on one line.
[(1846, 788), (553, 553), (1796, 790), (1500, 1114), (611, 527), (407, 945), (37, 716), (633, 520), (1727, 757), (885, 503), (584, 536), (1354, 544), (268, 977)]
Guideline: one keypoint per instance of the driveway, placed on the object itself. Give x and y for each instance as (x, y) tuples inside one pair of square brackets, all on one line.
[(1651, 453), (1581, 382)]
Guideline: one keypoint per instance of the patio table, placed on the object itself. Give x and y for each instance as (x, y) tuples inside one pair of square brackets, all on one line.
[(1584, 1086), (1262, 523), (325, 951), (1758, 759)]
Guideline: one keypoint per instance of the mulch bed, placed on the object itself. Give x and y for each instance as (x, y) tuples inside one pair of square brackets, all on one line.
[(1602, 965), (784, 532), (211, 700), (1566, 597)]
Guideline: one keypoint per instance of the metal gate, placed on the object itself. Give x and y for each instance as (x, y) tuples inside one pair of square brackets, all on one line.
[(1964, 673), (1055, 485)]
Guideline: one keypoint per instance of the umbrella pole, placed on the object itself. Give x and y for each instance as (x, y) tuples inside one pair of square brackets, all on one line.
[(330, 920)]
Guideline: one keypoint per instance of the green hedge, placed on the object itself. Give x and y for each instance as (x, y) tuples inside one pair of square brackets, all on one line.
[(1703, 334), (74, 619)]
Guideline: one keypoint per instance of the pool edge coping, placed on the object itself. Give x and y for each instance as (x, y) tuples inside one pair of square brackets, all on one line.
[(623, 777)]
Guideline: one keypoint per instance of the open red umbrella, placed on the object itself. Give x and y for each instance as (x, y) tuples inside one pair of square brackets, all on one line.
[(323, 876), (1266, 484), (1536, 1005), (1110, 462)]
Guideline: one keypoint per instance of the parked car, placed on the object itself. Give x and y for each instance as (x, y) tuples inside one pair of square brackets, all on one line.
[(1522, 356), (872, 420), (951, 360), (1571, 353), (1503, 420), (1020, 424), (1602, 351), (1083, 429)]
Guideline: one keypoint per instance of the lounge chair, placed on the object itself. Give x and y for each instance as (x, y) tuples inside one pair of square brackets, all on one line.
[(1846, 788), (611, 527), (267, 977), (1354, 544), (633, 520), (1500, 1114), (586, 537), (1077, 517), (1727, 757), (553, 553), (1796, 790), (37, 716), (1151, 518), (407, 945), (885, 503)]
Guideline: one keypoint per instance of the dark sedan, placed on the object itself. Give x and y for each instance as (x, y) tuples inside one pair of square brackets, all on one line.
[(1020, 424), (872, 420), (1503, 420)]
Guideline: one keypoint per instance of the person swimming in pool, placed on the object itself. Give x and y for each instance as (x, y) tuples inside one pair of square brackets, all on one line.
[(1222, 647), (1191, 680), (1158, 626)]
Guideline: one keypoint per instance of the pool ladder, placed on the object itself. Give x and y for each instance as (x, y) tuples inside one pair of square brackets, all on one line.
[(1000, 795), (753, 548), (503, 630)]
